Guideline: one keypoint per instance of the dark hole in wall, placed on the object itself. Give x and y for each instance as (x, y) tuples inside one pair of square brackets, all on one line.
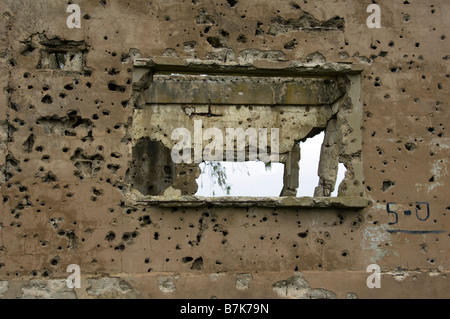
[(152, 168), (197, 264)]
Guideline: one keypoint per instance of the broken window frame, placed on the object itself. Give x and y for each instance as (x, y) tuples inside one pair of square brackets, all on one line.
[(352, 193), (56, 55)]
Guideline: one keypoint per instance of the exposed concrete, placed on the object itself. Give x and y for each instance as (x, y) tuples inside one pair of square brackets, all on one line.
[(298, 288), (243, 281), (244, 201)]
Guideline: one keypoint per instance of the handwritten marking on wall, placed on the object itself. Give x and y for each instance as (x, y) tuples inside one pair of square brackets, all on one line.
[(421, 214)]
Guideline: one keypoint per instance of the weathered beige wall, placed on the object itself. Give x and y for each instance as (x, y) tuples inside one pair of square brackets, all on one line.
[(64, 159)]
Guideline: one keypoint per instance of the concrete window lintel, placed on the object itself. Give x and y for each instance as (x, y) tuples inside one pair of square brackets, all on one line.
[(243, 201)]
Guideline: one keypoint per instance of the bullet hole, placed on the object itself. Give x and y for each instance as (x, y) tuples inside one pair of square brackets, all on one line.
[(144, 220), (431, 179), (187, 259), (120, 247), (387, 184), (242, 38), (147, 260), (112, 86), (97, 192), (28, 144), (303, 234), (291, 44), (259, 31), (68, 87), (410, 146), (54, 261), (49, 178), (197, 264), (232, 3), (377, 82), (86, 17), (156, 236), (344, 253), (132, 235), (379, 150), (47, 99), (215, 42), (113, 71), (224, 34), (406, 18), (110, 236)]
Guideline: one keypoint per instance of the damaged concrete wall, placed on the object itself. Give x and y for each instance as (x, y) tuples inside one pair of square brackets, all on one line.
[(66, 150)]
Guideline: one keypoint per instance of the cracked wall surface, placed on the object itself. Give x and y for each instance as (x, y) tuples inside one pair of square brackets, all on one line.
[(68, 109)]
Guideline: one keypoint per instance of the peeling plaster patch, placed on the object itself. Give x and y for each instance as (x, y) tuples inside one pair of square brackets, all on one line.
[(439, 172), (399, 275), (434, 273), (4, 285), (351, 295), (252, 55), (243, 281), (167, 283), (438, 169), (110, 288), (51, 289), (297, 287), (306, 22), (215, 276), (372, 240)]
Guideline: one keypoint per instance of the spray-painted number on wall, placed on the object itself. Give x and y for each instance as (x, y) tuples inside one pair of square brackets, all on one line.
[(421, 213)]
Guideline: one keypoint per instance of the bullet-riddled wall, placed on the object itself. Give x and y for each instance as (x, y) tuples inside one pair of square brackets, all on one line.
[(73, 111)]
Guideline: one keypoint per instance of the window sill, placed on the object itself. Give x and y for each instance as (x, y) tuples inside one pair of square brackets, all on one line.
[(243, 201)]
